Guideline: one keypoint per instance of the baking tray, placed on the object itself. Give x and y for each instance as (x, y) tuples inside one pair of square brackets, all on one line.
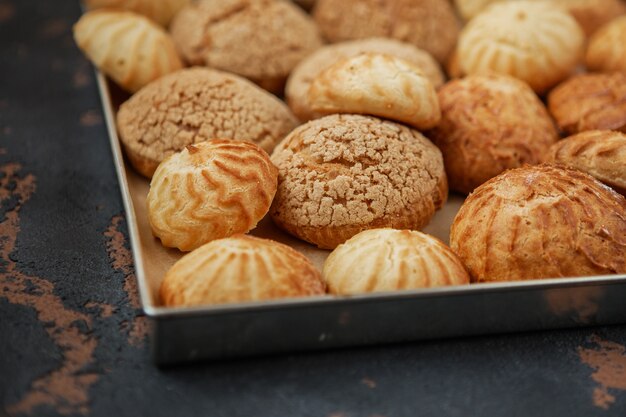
[(288, 325)]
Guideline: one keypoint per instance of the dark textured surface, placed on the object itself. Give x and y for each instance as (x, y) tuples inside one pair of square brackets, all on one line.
[(71, 340)]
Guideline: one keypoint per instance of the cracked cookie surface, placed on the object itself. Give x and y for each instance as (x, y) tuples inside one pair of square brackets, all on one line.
[(342, 174), (194, 105)]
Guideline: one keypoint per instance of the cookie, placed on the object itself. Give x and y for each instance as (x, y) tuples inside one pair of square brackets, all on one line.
[(239, 269), (194, 105), (210, 190), (536, 42), (376, 84), (607, 48), (299, 82), (428, 24), (590, 102), (599, 153), (161, 11), (541, 222), (127, 47), (342, 174), (261, 40), (490, 123), (390, 260)]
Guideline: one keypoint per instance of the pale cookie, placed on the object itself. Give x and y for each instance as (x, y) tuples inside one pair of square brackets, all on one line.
[(239, 269), (342, 174), (210, 190), (536, 42), (129, 48), (599, 153), (194, 105), (376, 84), (299, 82), (590, 102), (428, 24), (390, 260), (607, 48), (161, 11), (261, 40), (490, 123), (541, 222)]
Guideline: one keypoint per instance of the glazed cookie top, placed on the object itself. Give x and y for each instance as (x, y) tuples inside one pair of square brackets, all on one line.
[(428, 24), (345, 170), (259, 39), (197, 104), (303, 75)]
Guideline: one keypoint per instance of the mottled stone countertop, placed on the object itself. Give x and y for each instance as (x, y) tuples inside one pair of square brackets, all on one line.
[(72, 336)]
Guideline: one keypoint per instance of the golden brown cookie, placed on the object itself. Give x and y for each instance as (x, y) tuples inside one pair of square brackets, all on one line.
[(428, 24), (599, 153), (342, 174), (376, 84), (541, 222), (299, 81), (590, 14), (590, 102), (194, 105), (607, 48), (129, 48), (239, 269), (388, 260), (160, 11), (490, 123), (261, 40), (210, 190), (534, 41)]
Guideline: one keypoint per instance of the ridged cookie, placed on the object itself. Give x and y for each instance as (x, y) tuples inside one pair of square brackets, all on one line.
[(428, 24), (127, 47), (299, 82), (239, 269), (490, 123), (342, 174), (541, 222), (388, 260), (210, 190), (536, 42), (607, 48), (261, 40), (599, 153), (590, 102), (161, 11), (194, 105), (376, 84)]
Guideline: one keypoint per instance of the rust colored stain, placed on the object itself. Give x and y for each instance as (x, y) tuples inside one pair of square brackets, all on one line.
[(66, 387), (105, 310), (90, 118), (81, 77), (122, 260), (54, 27), (368, 382), (7, 11), (608, 360)]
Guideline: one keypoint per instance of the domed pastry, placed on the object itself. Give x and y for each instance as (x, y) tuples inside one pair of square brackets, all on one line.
[(194, 105), (534, 41), (127, 47), (377, 84), (590, 102), (541, 222), (342, 174), (160, 11), (299, 82), (210, 190), (239, 269), (261, 40), (388, 260), (490, 123), (599, 153), (607, 48), (428, 24)]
